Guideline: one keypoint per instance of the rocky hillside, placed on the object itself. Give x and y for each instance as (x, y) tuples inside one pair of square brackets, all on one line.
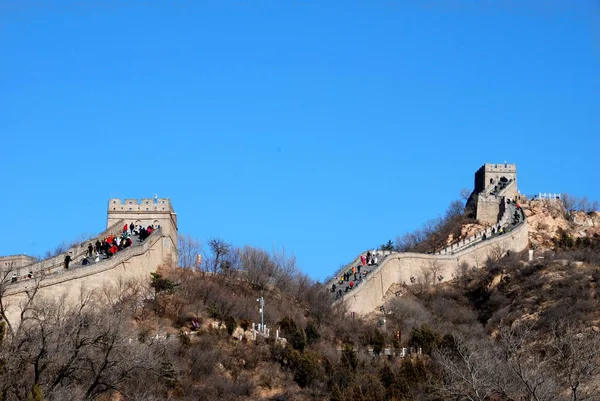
[(547, 218)]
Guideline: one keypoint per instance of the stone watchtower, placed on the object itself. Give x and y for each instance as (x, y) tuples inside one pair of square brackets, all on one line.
[(493, 182), (496, 175), (148, 211)]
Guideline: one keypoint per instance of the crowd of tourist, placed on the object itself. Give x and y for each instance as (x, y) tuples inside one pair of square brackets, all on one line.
[(354, 276), (104, 248)]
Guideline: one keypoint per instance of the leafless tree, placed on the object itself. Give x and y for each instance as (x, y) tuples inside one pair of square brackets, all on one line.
[(219, 248), (258, 266), (468, 370), (286, 270), (455, 209), (574, 204), (461, 274), (189, 249), (80, 349), (432, 269), (575, 354), (522, 359), (465, 194), (496, 252)]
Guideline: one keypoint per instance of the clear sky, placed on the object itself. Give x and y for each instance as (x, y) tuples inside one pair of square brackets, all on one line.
[(325, 127)]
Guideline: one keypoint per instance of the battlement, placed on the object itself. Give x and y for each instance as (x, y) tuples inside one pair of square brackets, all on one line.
[(490, 175), (500, 168), (154, 205)]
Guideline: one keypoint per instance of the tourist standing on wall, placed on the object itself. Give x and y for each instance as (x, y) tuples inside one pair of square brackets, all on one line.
[(67, 261)]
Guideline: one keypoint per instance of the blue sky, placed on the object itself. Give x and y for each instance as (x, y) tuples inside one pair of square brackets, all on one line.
[(323, 127)]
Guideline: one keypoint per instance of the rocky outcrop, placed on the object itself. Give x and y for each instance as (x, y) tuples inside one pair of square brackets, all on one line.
[(546, 218)]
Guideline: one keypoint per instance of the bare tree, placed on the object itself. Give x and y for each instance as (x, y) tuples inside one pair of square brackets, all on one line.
[(189, 249), (575, 354), (461, 274), (468, 370), (219, 248), (286, 270), (496, 252), (258, 266), (518, 347), (433, 267), (465, 194), (455, 209), (80, 349), (574, 204)]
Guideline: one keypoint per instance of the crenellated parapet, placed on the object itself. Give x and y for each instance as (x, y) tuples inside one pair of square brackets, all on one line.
[(150, 205)]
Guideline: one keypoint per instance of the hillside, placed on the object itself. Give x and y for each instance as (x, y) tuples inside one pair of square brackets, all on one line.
[(513, 329)]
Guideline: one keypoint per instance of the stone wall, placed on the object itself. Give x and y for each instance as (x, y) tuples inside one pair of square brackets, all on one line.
[(133, 263), (15, 262), (488, 209), (77, 253), (400, 267)]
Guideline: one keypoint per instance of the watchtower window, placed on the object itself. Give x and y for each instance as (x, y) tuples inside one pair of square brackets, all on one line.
[(114, 201), (503, 179), (491, 180)]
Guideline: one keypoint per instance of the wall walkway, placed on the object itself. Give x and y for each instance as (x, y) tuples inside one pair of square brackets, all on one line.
[(135, 262), (396, 267)]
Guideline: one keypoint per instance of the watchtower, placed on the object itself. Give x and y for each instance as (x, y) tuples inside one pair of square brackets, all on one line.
[(490, 175), (493, 182), (147, 211)]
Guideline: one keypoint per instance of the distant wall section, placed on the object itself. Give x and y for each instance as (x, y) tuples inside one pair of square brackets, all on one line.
[(399, 268), (13, 262)]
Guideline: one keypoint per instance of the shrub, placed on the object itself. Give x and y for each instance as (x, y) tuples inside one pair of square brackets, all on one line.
[(245, 324), (312, 332), (294, 334), (230, 324), (306, 368), (425, 338)]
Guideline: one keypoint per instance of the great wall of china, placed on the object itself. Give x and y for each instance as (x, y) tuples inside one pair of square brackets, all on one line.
[(50, 279), (494, 186)]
